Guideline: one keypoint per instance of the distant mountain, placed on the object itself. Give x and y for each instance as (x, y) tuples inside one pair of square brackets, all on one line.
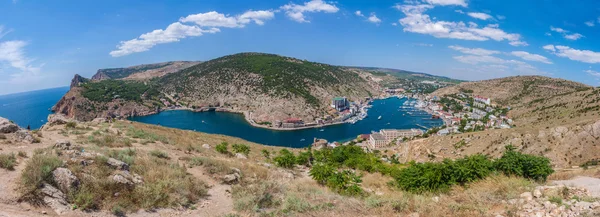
[(403, 74), (271, 87), (140, 72)]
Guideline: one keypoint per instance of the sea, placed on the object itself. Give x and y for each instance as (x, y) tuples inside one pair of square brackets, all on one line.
[(393, 116), (30, 108)]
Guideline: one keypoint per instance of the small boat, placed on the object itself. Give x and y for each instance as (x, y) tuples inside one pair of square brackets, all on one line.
[(302, 140), (322, 130), (379, 118)]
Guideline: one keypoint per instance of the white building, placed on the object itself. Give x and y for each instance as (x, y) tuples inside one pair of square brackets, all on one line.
[(377, 140), (391, 134)]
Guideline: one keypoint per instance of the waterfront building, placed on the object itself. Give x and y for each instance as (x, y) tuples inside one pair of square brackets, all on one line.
[(482, 99), (292, 123), (377, 140), (391, 134), (340, 103)]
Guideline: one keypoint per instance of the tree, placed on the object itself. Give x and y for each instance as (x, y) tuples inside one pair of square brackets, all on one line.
[(239, 148), (321, 172), (222, 148), (285, 159), (304, 158), (266, 153)]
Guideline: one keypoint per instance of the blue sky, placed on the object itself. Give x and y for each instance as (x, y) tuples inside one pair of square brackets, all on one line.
[(44, 43)]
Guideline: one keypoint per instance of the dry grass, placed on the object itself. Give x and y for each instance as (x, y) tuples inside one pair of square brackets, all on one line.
[(8, 161), (37, 171), (572, 173)]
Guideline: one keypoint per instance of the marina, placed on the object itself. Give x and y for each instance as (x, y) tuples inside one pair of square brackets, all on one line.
[(232, 124)]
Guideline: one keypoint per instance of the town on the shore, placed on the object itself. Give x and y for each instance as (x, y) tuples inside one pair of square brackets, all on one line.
[(461, 113)]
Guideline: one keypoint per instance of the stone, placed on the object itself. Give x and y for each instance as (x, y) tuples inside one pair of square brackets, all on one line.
[(117, 164), (436, 199), (537, 193), (126, 178), (236, 170), (7, 127), (99, 120), (54, 198), (231, 178), (240, 156), (527, 196), (207, 146), (66, 181), (63, 144), (24, 135), (57, 119)]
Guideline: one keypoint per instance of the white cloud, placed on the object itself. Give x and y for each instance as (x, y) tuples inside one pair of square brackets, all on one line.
[(459, 11), (12, 56), (518, 43), (423, 45), (215, 19), (358, 13), (209, 22), (12, 52), (447, 2), (296, 12), (418, 22), (590, 23), (531, 57), (500, 17), (172, 33), (3, 31), (481, 16), (559, 30), (475, 59), (574, 36), (566, 34), (473, 51), (586, 56), (593, 73), (394, 24), (374, 19)]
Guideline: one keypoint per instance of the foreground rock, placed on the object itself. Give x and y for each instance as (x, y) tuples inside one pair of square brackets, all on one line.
[(24, 136), (66, 181), (54, 198), (559, 200), (117, 164), (7, 127)]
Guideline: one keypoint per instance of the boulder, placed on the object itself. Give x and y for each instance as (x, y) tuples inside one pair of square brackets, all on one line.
[(54, 198), (527, 196), (537, 193), (65, 180), (7, 127), (207, 146), (63, 144), (117, 164), (231, 178), (57, 119), (126, 178), (24, 135), (241, 156)]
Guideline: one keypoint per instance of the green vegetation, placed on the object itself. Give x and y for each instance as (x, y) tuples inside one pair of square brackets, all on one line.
[(222, 148), (280, 76), (108, 90), (37, 171), (266, 153), (118, 73), (285, 159), (71, 125), (532, 167), (159, 154), (242, 149), (8, 161)]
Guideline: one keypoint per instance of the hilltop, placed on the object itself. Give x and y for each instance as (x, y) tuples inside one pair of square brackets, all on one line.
[(555, 118), (141, 72), (271, 87)]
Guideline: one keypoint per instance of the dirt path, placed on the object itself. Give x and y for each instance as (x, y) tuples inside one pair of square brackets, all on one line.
[(592, 184), (219, 201)]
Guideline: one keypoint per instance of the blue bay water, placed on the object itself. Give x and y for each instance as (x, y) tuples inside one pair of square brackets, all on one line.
[(30, 108), (235, 125)]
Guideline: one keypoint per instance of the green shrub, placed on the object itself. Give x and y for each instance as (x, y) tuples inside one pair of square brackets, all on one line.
[(345, 182), (242, 149), (8, 161), (529, 166), (285, 159), (222, 148), (266, 153), (321, 172), (159, 154), (71, 125), (38, 170), (303, 158)]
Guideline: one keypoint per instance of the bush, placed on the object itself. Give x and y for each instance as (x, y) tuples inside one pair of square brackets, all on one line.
[(345, 182), (8, 161), (303, 158), (159, 154), (242, 149), (529, 166), (321, 172), (222, 148), (38, 170), (266, 153), (285, 159), (71, 125)]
